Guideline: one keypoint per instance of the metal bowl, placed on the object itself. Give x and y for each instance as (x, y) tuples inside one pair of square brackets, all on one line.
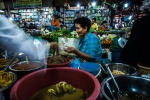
[(125, 82), (125, 68), (14, 80), (22, 73)]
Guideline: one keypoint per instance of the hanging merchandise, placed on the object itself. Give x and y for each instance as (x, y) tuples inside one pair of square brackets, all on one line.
[(122, 42)]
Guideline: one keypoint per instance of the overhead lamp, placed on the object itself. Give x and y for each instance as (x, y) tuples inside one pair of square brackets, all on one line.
[(130, 17), (93, 4), (78, 5), (126, 5)]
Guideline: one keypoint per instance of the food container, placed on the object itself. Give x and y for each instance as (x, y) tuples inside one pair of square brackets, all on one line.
[(143, 69), (126, 69), (6, 90), (23, 68), (14, 79), (66, 64), (93, 68), (4, 62), (125, 82), (31, 83)]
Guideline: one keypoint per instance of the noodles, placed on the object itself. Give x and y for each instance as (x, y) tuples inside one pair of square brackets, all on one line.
[(5, 79), (117, 72)]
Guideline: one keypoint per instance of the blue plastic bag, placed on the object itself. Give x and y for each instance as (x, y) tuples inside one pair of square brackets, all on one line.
[(75, 63)]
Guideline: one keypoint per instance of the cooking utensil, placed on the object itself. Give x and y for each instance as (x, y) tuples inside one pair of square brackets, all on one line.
[(122, 42), (6, 54), (108, 87), (119, 94)]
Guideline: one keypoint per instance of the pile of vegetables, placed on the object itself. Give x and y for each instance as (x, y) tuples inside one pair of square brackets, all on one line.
[(105, 39), (46, 34)]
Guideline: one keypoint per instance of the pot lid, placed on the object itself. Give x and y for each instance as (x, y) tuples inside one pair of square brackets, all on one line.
[(122, 42)]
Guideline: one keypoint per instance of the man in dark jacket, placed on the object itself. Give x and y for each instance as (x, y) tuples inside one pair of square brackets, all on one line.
[(137, 48)]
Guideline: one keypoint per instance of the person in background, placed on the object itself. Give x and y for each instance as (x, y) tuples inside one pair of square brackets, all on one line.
[(103, 26), (94, 24), (137, 49), (55, 25), (46, 25), (32, 26), (25, 25), (90, 49), (73, 28)]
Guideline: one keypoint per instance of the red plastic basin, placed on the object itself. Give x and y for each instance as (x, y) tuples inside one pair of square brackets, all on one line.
[(29, 84)]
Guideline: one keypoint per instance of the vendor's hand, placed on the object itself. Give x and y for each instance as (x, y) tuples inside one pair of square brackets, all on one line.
[(70, 49)]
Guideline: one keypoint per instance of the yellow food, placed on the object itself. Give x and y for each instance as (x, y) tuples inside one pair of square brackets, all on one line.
[(5, 79), (60, 91), (116, 72)]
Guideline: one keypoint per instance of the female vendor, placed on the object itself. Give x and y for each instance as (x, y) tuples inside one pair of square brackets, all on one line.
[(90, 49)]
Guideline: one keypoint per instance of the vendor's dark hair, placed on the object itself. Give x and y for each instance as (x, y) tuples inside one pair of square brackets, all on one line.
[(103, 22), (56, 16), (83, 21), (94, 19)]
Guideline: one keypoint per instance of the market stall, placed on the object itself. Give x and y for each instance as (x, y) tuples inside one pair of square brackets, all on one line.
[(35, 70)]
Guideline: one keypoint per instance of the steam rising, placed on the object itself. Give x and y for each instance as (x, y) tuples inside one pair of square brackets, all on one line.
[(14, 39)]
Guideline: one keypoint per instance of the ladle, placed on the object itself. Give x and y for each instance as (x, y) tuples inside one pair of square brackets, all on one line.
[(10, 62), (5, 54), (108, 87), (119, 94)]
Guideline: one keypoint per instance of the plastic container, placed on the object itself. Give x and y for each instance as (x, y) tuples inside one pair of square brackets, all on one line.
[(90, 67), (116, 56), (29, 84)]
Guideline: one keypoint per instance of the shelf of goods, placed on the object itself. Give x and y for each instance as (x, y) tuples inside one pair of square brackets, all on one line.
[(32, 15), (69, 16)]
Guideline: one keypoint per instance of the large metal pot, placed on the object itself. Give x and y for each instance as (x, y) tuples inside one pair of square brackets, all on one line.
[(125, 82), (127, 69)]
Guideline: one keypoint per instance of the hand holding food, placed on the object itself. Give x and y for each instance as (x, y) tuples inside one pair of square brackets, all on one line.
[(70, 49)]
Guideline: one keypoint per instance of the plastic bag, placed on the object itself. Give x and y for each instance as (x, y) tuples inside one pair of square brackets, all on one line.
[(75, 63)]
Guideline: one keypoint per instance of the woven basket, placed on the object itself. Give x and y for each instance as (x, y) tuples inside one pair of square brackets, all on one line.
[(143, 69)]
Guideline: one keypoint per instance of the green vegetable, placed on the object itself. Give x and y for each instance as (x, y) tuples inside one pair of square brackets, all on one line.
[(91, 30), (66, 32)]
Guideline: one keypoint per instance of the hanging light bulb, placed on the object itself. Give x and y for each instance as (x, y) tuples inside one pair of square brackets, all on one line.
[(94, 4), (126, 5), (78, 5)]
